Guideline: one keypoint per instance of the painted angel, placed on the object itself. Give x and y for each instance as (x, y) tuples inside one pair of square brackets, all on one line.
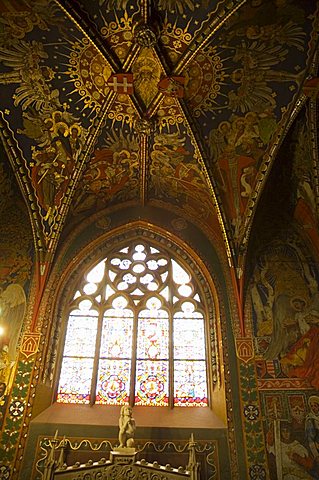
[(253, 92), (25, 59), (12, 306)]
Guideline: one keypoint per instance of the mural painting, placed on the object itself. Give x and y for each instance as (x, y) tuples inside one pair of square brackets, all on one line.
[(304, 174), (291, 433), (175, 174), (247, 113), (147, 73), (285, 303), (15, 268), (237, 148), (53, 163), (50, 133), (286, 311), (238, 86), (112, 173)]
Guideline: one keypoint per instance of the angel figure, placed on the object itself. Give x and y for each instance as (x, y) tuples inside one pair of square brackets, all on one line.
[(254, 92), (12, 305), (302, 358), (127, 427)]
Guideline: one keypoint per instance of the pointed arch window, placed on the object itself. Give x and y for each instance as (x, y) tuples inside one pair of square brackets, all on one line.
[(136, 333)]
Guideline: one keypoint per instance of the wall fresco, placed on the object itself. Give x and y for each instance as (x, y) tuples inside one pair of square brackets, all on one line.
[(284, 293), (15, 272)]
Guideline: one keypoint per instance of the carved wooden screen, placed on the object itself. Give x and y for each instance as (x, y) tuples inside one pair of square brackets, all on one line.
[(136, 333)]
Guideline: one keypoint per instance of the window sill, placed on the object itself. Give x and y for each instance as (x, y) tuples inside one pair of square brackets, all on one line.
[(178, 417)]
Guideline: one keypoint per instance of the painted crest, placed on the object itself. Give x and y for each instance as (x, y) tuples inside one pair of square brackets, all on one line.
[(172, 86), (311, 88), (121, 83), (30, 344), (244, 348)]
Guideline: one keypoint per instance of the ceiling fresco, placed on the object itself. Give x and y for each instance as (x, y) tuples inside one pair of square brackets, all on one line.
[(288, 205), (181, 103)]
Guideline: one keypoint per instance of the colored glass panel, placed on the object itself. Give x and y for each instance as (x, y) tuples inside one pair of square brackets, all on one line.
[(112, 275), (116, 341), (138, 255), (108, 292), (90, 288), (190, 384), (122, 264), (189, 339), (146, 279), (122, 286), (119, 303), (152, 337), (185, 290), (113, 382), (136, 271), (75, 380), (96, 274), (188, 311), (85, 306), (129, 278), (151, 388), (180, 276), (80, 336), (152, 264), (165, 293), (154, 304)]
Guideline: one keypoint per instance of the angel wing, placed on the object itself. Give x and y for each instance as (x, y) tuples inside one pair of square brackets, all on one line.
[(23, 55), (12, 304), (280, 339), (114, 4), (24, 58), (34, 94), (289, 34), (258, 55), (313, 309), (251, 96), (177, 5), (253, 92), (117, 142), (217, 144)]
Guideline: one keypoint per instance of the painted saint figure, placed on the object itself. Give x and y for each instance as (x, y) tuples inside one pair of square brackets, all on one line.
[(302, 358), (292, 458), (312, 427)]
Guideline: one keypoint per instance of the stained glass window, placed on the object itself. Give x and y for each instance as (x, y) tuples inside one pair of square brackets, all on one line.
[(136, 333)]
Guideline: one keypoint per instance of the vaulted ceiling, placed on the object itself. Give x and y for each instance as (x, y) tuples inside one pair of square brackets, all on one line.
[(181, 104)]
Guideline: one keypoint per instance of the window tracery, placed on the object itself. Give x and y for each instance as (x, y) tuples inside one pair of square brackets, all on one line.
[(136, 333)]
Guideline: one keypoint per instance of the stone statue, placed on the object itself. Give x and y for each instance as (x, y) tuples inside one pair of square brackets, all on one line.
[(127, 427)]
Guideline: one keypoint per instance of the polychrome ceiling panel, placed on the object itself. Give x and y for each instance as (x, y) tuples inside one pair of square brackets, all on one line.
[(258, 62), (46, 119), (180, 103), (112, 174)]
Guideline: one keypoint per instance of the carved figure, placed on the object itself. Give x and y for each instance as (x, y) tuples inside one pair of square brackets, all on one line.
[(127, 427)]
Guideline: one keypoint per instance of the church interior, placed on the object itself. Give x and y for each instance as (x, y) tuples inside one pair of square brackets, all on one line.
[(159, 241)]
